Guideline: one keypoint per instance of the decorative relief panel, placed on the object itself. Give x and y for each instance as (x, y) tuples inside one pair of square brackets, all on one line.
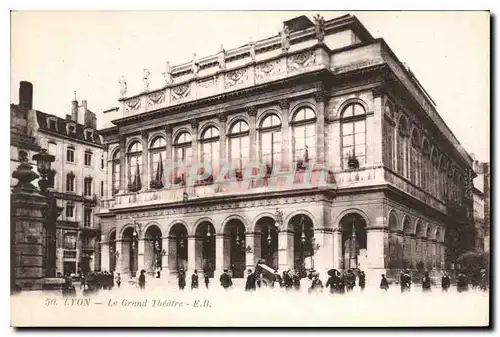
[(181, 91), (156, 98), (208, 83), (235, 77), (302, 60), (268, 69), (133, 104)]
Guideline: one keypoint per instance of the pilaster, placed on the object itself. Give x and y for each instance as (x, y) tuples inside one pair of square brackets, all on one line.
[(285, 250), (285, 132), (320, 98), (145, 161)]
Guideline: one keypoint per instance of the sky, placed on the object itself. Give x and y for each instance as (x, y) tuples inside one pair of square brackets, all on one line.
[(87, 52)]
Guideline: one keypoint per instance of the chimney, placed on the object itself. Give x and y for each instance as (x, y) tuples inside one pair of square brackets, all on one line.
[(74, 111), (26, 95), (94, 122)]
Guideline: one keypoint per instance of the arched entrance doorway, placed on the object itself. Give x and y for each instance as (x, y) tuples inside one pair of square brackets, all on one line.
[(153, 249), (303, 242), (130, 240), (268, 242), (177, 248), (205, 248), (234, 247), (354, 252), (407, 238), (113, 254)]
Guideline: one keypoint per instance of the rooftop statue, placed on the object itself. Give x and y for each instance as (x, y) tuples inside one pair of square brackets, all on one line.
[(251, 48), (145, 75), (123, 86), (285, 39), (222, 57), (195, 65), (319, 25)]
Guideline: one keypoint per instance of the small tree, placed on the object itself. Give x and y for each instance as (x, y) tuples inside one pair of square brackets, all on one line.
[(473, 260)]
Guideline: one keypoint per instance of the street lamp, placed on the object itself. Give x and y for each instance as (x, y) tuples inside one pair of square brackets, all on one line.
[(52, 211)]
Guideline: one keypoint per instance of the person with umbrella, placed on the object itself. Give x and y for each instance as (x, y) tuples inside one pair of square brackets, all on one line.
[(332, 280)]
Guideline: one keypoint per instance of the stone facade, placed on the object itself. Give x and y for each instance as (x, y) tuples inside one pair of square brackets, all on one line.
[(80, 172), (401, 196)]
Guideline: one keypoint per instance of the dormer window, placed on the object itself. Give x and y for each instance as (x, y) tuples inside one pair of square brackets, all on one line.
[(52, 123), (71, 128), (89, 135)]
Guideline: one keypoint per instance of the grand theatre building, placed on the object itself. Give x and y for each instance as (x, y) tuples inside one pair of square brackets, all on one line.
[(360, 171)]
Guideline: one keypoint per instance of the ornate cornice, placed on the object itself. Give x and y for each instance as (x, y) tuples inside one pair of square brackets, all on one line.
[(321, 95)]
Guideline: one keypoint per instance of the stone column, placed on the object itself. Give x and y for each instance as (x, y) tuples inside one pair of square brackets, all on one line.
[(256, 248), (285, 133), (195, 154), (119, 249), (168, 145), (141, 262), (413, 250), (219, 255), (398, 235), (420, 250), (376, 239), (27, 232), (252, 127), (320, 97), (337, 248), (105, 256), (250, 239), (165, 246), (443, 256), (323, 258), (145, 161), (78, 249), (285, 250), (222, 143), (374, 130), (123, 165), (434, 257), (191, 254)]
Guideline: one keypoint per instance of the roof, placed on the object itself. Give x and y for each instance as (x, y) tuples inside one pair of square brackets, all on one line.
[(61, 123)]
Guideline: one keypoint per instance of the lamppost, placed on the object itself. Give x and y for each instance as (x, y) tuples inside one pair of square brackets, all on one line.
[(158, 253), (180, 245), (207, 244), (52, 211), (135, 245), (352, 246)]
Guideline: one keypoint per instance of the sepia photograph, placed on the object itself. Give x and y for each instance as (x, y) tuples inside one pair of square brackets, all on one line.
[(250, 169)]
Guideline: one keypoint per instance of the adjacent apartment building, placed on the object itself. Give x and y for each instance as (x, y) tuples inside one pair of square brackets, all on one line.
[(356, 167), (79, 174)]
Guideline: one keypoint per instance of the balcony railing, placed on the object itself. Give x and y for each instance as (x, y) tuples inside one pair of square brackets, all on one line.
[(65, 223)]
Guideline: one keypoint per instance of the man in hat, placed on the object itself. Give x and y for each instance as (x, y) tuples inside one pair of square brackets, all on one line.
[(384, 284), (194, 280), (181, 279), (287, 280), (350, 280), (142, 279), (362, 280), (426, 282), (251, 279), (316, 284), (225, 280), (445, 282)]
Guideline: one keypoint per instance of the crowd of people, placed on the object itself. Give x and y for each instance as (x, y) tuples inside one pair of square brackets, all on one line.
[(338, 281)]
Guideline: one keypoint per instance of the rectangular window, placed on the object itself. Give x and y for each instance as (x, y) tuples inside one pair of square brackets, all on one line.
[(70, 154), (88, 158), (70, 210), (71, 129), (52, 124), (87, 217), (102, 163), (102, 188), (70, 183), (69, 241), (354, 142), (87, 187)]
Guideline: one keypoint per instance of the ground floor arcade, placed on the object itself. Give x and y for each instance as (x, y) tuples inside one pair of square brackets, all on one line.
[(302, 232)]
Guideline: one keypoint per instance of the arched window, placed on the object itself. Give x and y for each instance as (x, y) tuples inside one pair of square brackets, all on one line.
[(402, 147), (115, 173), (415, 157), (442, 177), (270, 140), (134, 157), (70, 182), (353, 134), (388, 136), (157, 154), (239, 146), (182, 154), (435, 170), (210, 148), (304, 136)]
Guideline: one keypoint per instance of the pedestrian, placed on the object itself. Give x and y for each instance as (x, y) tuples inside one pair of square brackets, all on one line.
[(445, 282), (350, 280), (405, 280), (316, 284), (384, 284), (181, 279), (332, 280), (462, 282), (118, 280), (207, 279), (341, 281), (277, 279), (296, 280), (362, 280), (142, 279), (426, 282), (194, 280), (251, 281), (68, 288), (287, 280), (225, 280), (484, 280)]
